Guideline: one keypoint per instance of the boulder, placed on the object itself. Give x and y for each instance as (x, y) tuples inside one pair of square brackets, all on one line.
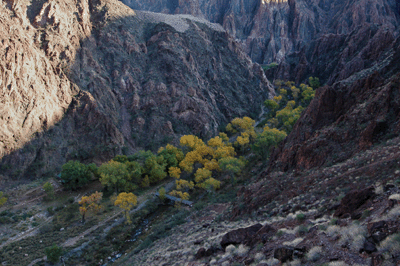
[(369, 247), (284, 253), (200, 253), (352, 201), (240, 236)]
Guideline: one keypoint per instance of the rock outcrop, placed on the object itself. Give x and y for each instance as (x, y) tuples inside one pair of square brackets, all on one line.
[(328, 39), (89, 79), (345, 118)]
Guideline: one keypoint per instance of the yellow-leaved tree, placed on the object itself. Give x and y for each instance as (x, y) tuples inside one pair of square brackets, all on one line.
[(244, 126), (3, 199), (90, 203), (126, 201)]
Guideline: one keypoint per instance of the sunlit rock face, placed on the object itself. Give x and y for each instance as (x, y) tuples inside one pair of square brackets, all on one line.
[(86, 80), (306, 37)]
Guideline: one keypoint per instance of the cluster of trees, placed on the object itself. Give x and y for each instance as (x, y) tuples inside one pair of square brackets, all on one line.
[(284, 109), (196, 164), (202, 164)]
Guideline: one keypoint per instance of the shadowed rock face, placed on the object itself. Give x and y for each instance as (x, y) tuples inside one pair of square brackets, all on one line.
[(345, 118), (328, 39), (99, 78)]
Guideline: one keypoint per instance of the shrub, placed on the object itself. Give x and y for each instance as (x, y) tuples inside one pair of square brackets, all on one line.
[(314, 254), (2, 199), (53, 253), (75, 175), (300, 217), (48, 188)]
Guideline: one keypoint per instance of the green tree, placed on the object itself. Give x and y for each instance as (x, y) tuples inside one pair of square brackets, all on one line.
[(308, 94), (48, 188), (3, 199), (162, 193), (314, 82), (93, 170), (270, 137), (272, 106), (172, 155), (121, 158), (288, 116), (140, 156), (75, 175), (155, 168), (114, 175), (53, 253), (135, 172), (231, 165)]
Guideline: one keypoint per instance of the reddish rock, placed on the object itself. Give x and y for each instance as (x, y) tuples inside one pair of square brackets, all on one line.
[(240, 236), (352, 201)]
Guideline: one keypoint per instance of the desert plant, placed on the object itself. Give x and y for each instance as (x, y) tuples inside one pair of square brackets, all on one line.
[(2, 199), (48, 188), (314, 254), (53, 253)]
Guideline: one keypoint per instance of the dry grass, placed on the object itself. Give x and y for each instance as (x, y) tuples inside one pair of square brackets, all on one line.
[(314, 253), (242, 250), (293, 243), (390, 245), (354, 235), (338, 263)]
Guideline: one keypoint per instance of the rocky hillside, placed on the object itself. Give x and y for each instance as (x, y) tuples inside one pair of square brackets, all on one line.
[(89, 79), (328, 39)]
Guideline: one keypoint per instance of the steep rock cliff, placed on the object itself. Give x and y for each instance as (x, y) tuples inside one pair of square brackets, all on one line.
[(328, 39), (346, 118), (99, 78)]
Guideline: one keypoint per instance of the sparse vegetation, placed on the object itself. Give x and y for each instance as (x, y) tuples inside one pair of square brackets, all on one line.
[(48, 188), (314, 254), (53, 253), (3, 199)]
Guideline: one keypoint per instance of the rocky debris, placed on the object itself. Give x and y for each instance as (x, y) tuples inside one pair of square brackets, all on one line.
[(202, 252), (369, 247), (377, 259), (240, 236), (263, 235), (378, 231), (353, 201), (284, 253), (341, 121)]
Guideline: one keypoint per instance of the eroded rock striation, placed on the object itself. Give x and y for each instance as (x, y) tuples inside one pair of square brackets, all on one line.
[(328, 39), (89, 79)]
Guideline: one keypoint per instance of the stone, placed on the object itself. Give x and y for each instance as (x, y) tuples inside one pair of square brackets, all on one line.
[(369, 247), (377, 259), (284, 253), (352, 201), (240, 236), (200, 253)]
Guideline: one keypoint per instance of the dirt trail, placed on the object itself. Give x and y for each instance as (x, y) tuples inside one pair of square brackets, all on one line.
[(72, 241), (25, 234)]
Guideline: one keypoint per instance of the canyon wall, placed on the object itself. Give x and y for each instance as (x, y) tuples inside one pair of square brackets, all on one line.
[(328, 39), (87, 80)]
